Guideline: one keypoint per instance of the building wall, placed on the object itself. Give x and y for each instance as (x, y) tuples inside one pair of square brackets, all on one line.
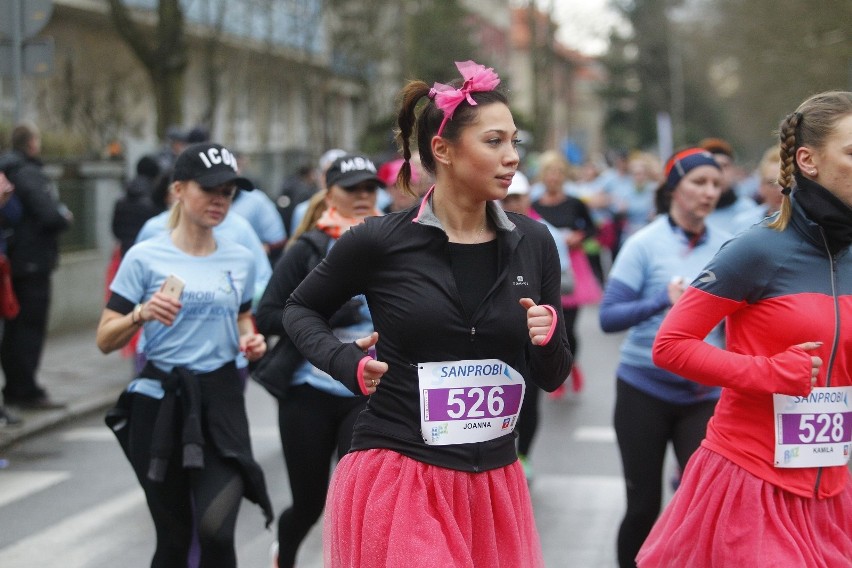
[(79, 283), (493, 24), (270, 98), (272, 102)]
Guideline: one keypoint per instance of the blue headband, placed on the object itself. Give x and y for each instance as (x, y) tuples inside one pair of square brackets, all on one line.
[(683, 162)]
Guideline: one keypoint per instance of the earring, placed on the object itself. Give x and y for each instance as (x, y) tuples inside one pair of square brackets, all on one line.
[(813, 172)]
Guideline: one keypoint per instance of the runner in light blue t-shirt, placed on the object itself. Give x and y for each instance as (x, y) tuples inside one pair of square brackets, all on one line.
[(182, 421), (233, 227), (216, 286)]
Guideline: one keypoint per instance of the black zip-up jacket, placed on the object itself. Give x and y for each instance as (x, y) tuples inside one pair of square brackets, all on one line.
[(275, 370), (401, 263), (34, 243)]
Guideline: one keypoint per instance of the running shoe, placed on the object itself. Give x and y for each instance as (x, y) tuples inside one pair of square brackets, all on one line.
[(559, 393), (578, 379), (528, 469)]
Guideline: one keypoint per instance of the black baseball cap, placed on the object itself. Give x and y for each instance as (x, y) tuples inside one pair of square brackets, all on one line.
[(352, 169), (198, 134), (209, 165), (175, 134)]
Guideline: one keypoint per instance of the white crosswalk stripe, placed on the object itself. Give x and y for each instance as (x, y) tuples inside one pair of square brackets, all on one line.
[(76, 541), (595, 434), (19, 484)]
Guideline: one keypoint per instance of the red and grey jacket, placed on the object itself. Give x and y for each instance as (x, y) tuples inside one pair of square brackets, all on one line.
[(775, 290), (401, 263)]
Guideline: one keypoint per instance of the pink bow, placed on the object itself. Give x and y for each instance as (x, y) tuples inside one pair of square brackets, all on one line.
[(477, 78)]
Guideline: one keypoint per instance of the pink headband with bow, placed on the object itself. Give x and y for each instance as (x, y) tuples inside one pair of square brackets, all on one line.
[(477, 78)]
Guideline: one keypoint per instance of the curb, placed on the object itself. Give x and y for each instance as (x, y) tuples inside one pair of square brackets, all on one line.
[(75, 372), (38, 421)]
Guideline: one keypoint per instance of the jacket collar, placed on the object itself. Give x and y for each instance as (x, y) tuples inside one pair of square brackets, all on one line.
[(426, 215), (805, 226), (690, 239)]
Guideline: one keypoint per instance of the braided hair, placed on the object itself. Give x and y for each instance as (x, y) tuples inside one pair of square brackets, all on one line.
[(810, 125)]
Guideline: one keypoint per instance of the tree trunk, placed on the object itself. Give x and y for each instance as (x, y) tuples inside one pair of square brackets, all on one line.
[(164, 58), (168, 92)]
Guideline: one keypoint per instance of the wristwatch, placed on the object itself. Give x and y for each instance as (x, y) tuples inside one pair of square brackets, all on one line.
[(136, 315)]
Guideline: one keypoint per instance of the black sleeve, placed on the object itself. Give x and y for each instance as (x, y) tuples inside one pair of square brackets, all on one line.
[(584, 220), (343, 274), (288, 273), (120, 304), (31, 187)]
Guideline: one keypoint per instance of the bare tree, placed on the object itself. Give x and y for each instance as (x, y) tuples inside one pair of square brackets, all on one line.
[(215, 14), (765, 56), (542, 41), (726, 68), (163, 54)]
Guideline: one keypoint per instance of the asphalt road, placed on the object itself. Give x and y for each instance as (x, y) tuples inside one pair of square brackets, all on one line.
[(68, 497)]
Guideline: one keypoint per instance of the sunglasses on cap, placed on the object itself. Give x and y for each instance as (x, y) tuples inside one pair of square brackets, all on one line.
[(363, 186)]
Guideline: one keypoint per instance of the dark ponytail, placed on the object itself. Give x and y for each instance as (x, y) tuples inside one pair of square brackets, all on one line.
[(406, 121)]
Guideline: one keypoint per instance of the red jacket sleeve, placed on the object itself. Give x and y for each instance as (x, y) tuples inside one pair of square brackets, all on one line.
[(680, 348)]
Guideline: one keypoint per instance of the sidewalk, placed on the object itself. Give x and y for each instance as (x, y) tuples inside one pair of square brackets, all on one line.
[(75, 372)]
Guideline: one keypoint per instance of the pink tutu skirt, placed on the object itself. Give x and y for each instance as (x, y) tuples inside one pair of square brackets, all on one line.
[(387, 510), (723, 516)]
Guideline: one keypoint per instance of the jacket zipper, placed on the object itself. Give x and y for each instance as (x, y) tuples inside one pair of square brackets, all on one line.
[(835, 340)]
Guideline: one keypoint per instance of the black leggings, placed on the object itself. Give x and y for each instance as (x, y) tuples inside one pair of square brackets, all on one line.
[(570, 316), (23, 338), (528, 419), (216, 492), (314, 427), (644, 425)]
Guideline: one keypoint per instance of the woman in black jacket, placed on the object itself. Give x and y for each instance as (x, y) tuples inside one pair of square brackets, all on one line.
[(462, 298), (316, 413), (137, 205)]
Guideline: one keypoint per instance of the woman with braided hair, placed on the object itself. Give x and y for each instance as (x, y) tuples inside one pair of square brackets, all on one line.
[(770, 484), (462, 296)]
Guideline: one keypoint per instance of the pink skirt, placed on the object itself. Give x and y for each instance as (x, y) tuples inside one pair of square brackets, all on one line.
[(587, 290), (721, 515), (387, 510)]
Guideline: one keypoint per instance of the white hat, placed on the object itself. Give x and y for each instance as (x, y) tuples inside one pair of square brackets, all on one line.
[(520, 185), (329, 156)]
